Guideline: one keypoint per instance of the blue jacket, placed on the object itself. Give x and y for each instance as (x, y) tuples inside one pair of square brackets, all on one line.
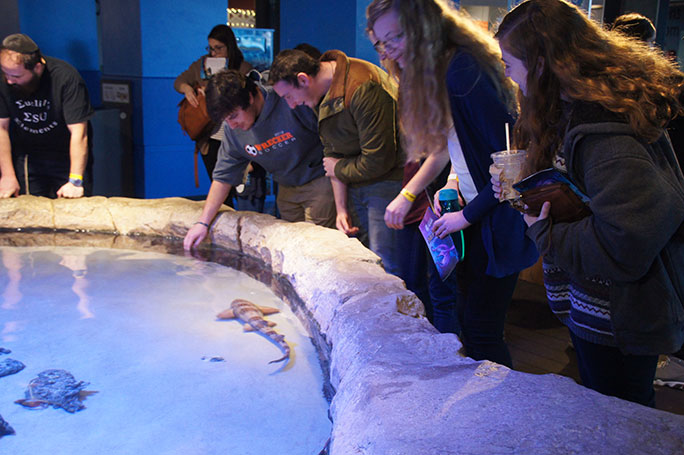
[(479, 120)]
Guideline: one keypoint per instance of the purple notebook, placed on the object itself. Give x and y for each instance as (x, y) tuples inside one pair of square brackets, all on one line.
[(443, 251)]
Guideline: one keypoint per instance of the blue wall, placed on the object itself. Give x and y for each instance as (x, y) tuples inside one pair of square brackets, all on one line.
[(364, 48), (149, 46), (172, 38), (66, 33), (149, 42), (70, 33), (324, 24), (327, 25)]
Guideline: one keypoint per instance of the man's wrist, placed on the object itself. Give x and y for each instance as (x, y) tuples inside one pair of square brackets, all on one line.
[(76, 179)]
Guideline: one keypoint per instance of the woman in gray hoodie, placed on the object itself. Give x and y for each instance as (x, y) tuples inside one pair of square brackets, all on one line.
[(595, 104)]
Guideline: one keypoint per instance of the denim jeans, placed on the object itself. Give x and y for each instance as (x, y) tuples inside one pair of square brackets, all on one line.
[(610, 372), (370, 202), (443, 300)]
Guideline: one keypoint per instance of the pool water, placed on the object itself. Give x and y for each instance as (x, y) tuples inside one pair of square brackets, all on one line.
[(141, 328)]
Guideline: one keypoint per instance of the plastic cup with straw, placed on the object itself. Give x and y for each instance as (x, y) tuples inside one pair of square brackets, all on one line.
[(508, 165)]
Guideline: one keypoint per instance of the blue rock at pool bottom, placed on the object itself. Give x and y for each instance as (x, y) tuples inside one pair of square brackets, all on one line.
[(57, 388), (10, 366), (5, 428)]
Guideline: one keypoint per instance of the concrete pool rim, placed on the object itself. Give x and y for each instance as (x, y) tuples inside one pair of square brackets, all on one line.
[(401, 387)]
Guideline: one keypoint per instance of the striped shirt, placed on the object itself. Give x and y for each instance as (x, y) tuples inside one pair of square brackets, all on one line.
[(582, 304)]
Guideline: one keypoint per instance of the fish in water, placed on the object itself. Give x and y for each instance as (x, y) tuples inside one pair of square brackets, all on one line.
[(253, 317)]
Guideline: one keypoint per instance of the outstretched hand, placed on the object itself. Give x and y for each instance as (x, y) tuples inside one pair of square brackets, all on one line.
[(194, 237)]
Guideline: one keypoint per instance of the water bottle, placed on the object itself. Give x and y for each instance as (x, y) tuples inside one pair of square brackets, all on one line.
[(448, 200)]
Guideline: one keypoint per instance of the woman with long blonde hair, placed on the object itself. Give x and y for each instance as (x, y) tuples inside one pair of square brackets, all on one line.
[(595, 103), (453, 90), (406, 212)]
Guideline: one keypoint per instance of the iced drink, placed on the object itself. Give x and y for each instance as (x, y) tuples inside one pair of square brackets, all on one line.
[(508, 165)]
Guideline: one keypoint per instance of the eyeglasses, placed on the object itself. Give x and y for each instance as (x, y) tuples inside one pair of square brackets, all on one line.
[(381, 46), (215, 49)]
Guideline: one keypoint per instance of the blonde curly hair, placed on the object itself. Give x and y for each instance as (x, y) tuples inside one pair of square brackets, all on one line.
[(434, 31)]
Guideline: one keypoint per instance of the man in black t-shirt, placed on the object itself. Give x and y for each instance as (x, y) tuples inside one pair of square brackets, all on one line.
[(44, 124)]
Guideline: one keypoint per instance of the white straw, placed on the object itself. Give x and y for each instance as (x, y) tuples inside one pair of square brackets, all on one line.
[(508, 138)]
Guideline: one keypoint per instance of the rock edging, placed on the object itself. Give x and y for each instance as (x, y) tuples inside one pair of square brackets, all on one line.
[(401, 387)]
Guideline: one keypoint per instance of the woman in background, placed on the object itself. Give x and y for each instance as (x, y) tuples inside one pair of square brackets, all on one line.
[(595, 103), (221, 43), (635, 25), (453, 80)]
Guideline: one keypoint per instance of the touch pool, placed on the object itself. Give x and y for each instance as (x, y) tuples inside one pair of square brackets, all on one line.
[(398, 387), (165, 376)]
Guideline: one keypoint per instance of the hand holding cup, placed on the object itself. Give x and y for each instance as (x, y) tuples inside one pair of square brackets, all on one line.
[(507, 169)]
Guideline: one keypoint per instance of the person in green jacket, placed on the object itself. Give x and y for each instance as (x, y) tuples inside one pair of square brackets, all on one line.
[(356, 104)]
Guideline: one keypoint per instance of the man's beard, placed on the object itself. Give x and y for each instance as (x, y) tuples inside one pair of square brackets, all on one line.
[(30, 87)]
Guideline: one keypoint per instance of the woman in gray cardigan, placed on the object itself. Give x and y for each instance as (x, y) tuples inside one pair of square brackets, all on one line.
[(222, 43), (595, 104)]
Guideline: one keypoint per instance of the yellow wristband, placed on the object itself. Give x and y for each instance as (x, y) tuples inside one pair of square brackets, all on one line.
[(76, 176), (452, 177), (408, 195)]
